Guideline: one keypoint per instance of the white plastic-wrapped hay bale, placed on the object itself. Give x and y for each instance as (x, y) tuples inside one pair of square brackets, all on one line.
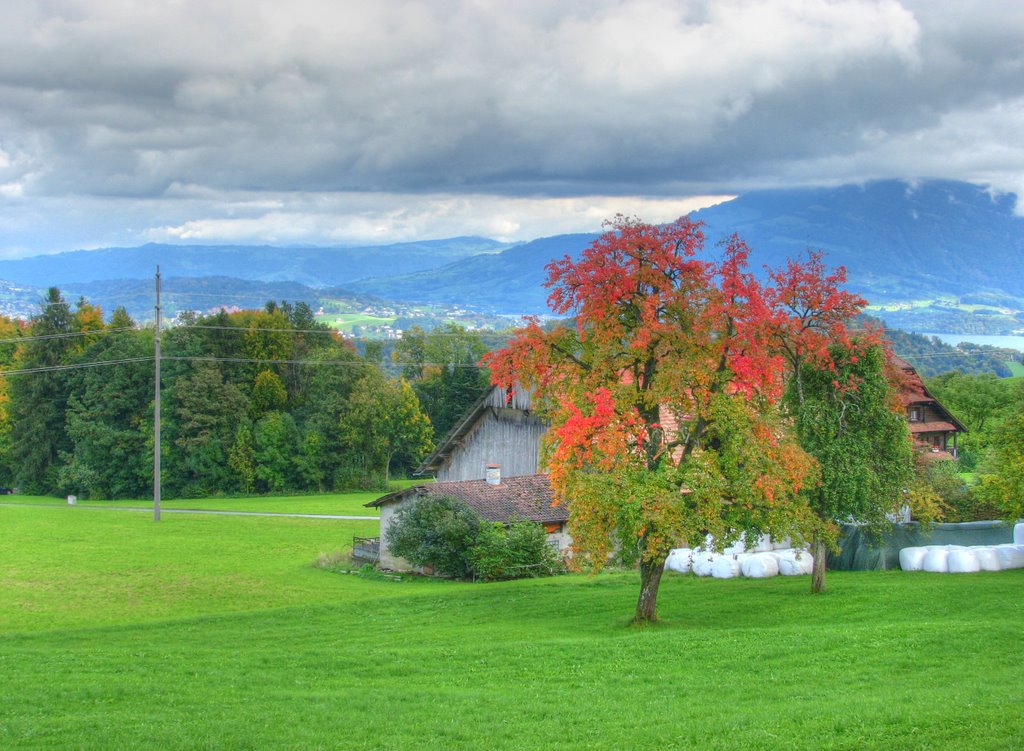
[(1018, 533), (795, 562), (1010, 555), (760, 566), (703, 560), (912, 559), (726, 567), (679, 560), (784, 544), (936, 559), (988, 558), (764, 545), (962, 561)]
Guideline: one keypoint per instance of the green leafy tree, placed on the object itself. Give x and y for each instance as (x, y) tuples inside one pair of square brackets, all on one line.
[(242, 458), (268, 394), (384, 425), (443, 367), (109, 418), (205, 411), (982, 402), (1001, 473), (436, 531), (275, 441), (849, 420)]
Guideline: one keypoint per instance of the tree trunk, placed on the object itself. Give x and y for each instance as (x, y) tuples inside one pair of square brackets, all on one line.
[(650, 580), (820, 553)]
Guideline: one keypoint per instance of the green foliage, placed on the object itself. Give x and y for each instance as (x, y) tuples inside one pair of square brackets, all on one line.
[(443, 367), (39, 400), (848, 421), (276, 445), (383, 426), (436, 531), (517, 550), (1001, 473), (931, 356)]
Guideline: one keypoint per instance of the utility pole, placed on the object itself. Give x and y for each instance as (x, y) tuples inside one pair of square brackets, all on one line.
[(156, 409)]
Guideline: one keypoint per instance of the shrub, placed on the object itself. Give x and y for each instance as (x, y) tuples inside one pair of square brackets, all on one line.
[(437, 531), (516, 551)]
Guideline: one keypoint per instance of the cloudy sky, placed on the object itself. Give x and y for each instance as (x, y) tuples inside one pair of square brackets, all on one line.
[(336, 121)]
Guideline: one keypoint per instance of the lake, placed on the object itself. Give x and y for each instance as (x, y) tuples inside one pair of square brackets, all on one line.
[(995, 340)]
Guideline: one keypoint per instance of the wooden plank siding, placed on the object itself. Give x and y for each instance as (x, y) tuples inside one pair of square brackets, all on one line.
[(501, 435)]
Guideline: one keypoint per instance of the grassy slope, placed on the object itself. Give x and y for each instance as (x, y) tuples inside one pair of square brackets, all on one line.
[(213, 632), (1016, 368)]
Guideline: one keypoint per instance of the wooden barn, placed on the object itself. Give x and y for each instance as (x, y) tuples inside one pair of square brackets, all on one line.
[(500, 429)]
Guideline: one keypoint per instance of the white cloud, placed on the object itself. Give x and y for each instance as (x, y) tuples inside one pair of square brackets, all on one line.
[(170, 106)]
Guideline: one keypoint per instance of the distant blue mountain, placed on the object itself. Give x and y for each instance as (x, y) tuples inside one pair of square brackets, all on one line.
[(898, 241), (315, 267)]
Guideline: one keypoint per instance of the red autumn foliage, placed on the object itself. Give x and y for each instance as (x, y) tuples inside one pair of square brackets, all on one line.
[(659, 329)]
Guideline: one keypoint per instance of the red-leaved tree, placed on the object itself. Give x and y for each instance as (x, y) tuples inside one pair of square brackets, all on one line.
[(664, 398)]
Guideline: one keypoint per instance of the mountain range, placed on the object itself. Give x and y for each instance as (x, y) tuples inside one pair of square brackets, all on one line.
[(951, 244)]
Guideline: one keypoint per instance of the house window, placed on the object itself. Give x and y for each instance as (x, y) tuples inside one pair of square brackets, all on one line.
[(916, 414)]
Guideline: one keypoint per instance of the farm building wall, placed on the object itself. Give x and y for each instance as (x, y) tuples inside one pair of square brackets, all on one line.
[(505, 434)]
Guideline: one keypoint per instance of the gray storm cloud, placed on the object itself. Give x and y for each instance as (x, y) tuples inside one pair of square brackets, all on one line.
[(161, 104)]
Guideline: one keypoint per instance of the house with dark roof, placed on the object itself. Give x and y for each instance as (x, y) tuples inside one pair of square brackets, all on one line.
[(495, 499), (933, 427)]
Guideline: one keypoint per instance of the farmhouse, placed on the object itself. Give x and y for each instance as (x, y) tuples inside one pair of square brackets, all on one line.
[(933, 427), (490, 460), (495, 499)]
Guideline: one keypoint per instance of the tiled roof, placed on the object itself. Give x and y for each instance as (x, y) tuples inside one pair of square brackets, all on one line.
[(937, 426), (528, 497)]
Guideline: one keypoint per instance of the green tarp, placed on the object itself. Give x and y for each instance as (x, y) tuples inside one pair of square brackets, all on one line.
[(864, 551)]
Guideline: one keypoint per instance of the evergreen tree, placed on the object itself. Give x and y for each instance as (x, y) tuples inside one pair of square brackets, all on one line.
[(39, 399)]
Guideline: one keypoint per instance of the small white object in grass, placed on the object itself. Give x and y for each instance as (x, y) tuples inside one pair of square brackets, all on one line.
[(703, 560), (760, 566), (679, 560), (936, 560), (988, 558), (725, 567), (962, 561), (1010, 556), (911, 559)]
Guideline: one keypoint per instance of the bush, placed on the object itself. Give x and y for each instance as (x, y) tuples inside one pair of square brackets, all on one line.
[(443, 532), (516, 551), (437, 531)]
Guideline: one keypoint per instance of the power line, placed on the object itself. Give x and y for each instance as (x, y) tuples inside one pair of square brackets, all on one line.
[(75, 366), (67, 335)]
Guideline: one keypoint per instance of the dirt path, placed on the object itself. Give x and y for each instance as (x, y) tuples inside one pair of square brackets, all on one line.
[(165, 510)]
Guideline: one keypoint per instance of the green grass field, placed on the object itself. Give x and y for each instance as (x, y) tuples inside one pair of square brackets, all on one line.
[(217, 632), (1016, 369)]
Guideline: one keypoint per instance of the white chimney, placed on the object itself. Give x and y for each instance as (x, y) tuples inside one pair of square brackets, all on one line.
[(493, 474)]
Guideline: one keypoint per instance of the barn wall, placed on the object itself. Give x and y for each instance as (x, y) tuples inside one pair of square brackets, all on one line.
[(503, 435)]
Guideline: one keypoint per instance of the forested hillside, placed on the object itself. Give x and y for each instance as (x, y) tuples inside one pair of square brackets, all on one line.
[(255, 401), (931, 357)]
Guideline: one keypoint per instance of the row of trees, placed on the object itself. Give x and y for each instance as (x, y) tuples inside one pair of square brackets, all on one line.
[(993, 410), (689, 398), (255, 401)]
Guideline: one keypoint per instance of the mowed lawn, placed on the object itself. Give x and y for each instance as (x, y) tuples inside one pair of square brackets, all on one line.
[(217, 632)]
